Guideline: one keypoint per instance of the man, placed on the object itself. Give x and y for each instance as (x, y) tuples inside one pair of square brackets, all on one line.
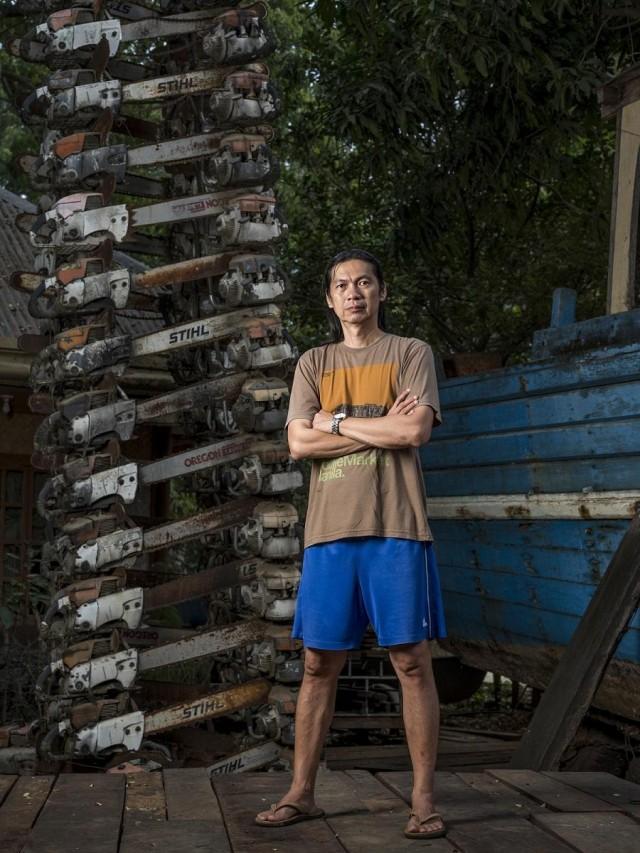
[(360, 408)]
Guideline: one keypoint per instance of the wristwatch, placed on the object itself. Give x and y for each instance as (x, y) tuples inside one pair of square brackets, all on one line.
[(335, 422)]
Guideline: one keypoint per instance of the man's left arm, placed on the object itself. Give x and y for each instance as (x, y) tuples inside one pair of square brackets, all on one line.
[(391, 432), (416, 411)]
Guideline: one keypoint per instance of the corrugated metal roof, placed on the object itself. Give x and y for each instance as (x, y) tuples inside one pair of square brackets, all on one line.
[(16, 253)]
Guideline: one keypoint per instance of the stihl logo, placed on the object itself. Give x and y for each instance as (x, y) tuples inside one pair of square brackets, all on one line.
[(229, 767), (177, 85), (189, 334), (203, 708), (195, 206), (217, 453)]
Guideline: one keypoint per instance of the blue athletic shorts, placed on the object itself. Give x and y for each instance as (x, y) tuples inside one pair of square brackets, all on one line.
[(348, 583)]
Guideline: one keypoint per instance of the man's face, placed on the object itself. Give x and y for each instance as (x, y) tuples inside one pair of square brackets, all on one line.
[(355, 293)]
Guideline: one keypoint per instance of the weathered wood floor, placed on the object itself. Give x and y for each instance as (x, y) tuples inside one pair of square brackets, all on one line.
[(179, 811)]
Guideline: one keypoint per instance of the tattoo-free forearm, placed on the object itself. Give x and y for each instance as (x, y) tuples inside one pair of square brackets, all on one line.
[(391, 432), (308, 443)]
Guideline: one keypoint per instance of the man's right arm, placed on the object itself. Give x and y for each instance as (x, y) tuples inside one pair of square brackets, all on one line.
[(308, 443)]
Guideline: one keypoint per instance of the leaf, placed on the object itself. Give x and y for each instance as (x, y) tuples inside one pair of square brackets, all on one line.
[(481, 63)]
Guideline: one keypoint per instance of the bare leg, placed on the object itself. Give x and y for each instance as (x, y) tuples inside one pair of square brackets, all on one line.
[(314, 712), (421, 714)]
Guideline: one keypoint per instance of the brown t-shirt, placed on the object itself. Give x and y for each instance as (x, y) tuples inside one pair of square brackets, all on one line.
[(372, 492)]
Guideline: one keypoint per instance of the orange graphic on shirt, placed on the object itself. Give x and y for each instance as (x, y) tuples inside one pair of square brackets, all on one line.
[(369, 385)]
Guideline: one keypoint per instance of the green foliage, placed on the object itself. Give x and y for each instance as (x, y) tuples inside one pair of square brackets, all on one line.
[(459, 140)]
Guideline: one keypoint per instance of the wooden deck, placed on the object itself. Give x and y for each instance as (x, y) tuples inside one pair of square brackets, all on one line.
[(179, 811)]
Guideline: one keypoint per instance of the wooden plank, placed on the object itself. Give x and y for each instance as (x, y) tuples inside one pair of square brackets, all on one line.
[(6, 783), (365, 816), (624, 226), (543, 445), (242, 797), (529, 534), (613, 365), (484, 753), (21, 808), (564, 506), (504, 835), (190, 795), (593, 832), (551, 792), (610, 401), (181, 836), (508, 800), (82, 815), (576, 678), (478, 822), (604, 786), (144, 799), (191, 799), (523, 476)]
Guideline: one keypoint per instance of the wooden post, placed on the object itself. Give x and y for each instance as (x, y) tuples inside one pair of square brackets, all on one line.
[(576, 678), (621, 97), (623, 246)]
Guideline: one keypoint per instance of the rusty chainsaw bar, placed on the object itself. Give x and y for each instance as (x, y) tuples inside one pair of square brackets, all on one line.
[(84, 159), (103, 540), (92, 730), (88, 286), (220, 406), (84, 669), (106, 603), (226, 36)]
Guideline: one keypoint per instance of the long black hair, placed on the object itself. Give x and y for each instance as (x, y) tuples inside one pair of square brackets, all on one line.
[(351, 255)]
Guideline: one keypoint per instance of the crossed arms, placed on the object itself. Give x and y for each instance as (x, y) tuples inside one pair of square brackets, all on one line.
[(405, 425)]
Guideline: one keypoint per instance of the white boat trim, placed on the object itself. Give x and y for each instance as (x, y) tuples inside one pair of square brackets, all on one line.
[(561, 505)]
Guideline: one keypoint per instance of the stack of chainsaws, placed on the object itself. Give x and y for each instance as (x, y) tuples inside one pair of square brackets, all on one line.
[(155, 123)]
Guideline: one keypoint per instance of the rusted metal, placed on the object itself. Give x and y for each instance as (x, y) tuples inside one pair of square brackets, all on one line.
[(191, 270), (201, 584), (217, 518)]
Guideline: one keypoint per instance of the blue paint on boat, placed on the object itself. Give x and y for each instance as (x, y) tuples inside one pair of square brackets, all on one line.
[(568, 421)]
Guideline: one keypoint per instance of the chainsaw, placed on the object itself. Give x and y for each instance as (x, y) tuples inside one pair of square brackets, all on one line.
[(91, 731), (233, 36), (85, 669), (268, 472), (82, 220), (238, 341), (75, 98), (83, 160), (88, 286), (106, 603), (99, 480), (100, 541), (113, 8), (80, 422)]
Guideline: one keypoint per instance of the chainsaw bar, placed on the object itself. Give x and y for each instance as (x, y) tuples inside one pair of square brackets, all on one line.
[(83, 669), (221, 405), (232, 36), (84, 159), (103, 541), (83, 221), (243, 279), (74, 99), (241, 340), (90, 730)]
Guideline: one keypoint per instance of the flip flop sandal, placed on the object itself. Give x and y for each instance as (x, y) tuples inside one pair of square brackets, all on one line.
[(303, 814), (436, 833)]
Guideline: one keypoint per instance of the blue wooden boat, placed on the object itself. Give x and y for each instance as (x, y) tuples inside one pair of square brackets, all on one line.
[(534, 476), (532, 481)]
